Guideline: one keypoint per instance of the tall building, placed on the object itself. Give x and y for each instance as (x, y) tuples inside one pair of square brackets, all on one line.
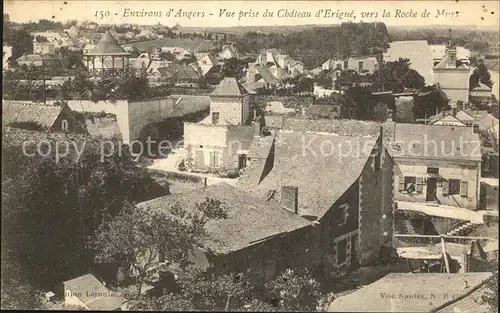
[(452, 75)]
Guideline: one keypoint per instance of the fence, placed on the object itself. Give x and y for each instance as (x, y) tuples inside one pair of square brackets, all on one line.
[(403, 240)]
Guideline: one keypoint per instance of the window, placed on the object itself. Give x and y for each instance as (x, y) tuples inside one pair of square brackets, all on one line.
[(451, 187), (432, 170), (342, 251), (64, 125), (463, 188), (242, 161), (214, 158), (346, 64), (407, 183), (419, 184), (344, 213), (360, 66), (215, 118), (339, 66)]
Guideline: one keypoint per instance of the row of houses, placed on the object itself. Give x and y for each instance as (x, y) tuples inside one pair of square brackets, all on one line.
[(315, 192)]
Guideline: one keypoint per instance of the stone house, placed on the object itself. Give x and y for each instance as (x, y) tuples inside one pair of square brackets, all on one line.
[(35, 116), (258, 238), (452, 76), (359, 65), (222, 139), (435, 164), (345, 192)]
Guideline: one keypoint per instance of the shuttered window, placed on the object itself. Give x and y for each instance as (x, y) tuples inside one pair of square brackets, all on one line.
[(446, 187), (214, 158), (463, 188), (401, 183), (419, 184)]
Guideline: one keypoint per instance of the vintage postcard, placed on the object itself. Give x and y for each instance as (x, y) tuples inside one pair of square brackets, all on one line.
[(331, 156)]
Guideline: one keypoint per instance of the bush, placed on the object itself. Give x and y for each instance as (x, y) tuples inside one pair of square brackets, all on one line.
[(227, 173)]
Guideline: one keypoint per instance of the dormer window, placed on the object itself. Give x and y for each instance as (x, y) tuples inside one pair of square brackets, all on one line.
[(64, 125)]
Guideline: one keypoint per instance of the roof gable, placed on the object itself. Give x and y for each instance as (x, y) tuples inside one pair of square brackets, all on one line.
[(19, 112), (448, 118), (229, 86), (108, 46)]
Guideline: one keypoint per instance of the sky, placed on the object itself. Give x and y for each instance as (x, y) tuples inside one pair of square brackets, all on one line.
[(477, 13)]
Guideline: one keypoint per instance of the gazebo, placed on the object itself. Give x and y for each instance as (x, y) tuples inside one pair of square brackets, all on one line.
[(107, 55)]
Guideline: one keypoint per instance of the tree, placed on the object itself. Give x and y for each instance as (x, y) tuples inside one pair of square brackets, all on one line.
[(209, 291), (398, 76), (20, 40), (233, 68), (139, 237), (76, 189), (295, 291), (430, 100)]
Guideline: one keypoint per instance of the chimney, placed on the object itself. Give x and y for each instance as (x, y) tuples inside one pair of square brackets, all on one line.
[(289, 198), (258, 124), (251, 73)]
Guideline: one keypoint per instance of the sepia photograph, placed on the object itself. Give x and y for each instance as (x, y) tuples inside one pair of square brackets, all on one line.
[(252, 156)]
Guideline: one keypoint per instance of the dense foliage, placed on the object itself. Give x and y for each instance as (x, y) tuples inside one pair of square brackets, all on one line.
[(314, 46), (52, 203), (208, 291)]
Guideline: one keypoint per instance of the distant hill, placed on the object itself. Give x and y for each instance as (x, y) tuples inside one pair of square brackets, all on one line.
[(240, 30), (186, 43)]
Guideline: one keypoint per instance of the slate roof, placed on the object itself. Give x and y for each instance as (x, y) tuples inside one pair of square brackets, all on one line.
[(155, 65), (441, 285), (35, 57), (260, 147), (471, 303), (273, 121), (433, 141), (182, 72), (339, 127), (266, 74), (321, 178), (229, 86), (87, 288), (108, 46), (464, 116), (249, 219), (447, 63), (17, 112), (447, 117)]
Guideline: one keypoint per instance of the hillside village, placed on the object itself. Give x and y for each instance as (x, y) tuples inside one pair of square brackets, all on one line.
[(192, 168)]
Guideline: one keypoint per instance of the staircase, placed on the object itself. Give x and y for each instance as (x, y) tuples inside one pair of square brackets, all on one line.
[(461, 229)]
